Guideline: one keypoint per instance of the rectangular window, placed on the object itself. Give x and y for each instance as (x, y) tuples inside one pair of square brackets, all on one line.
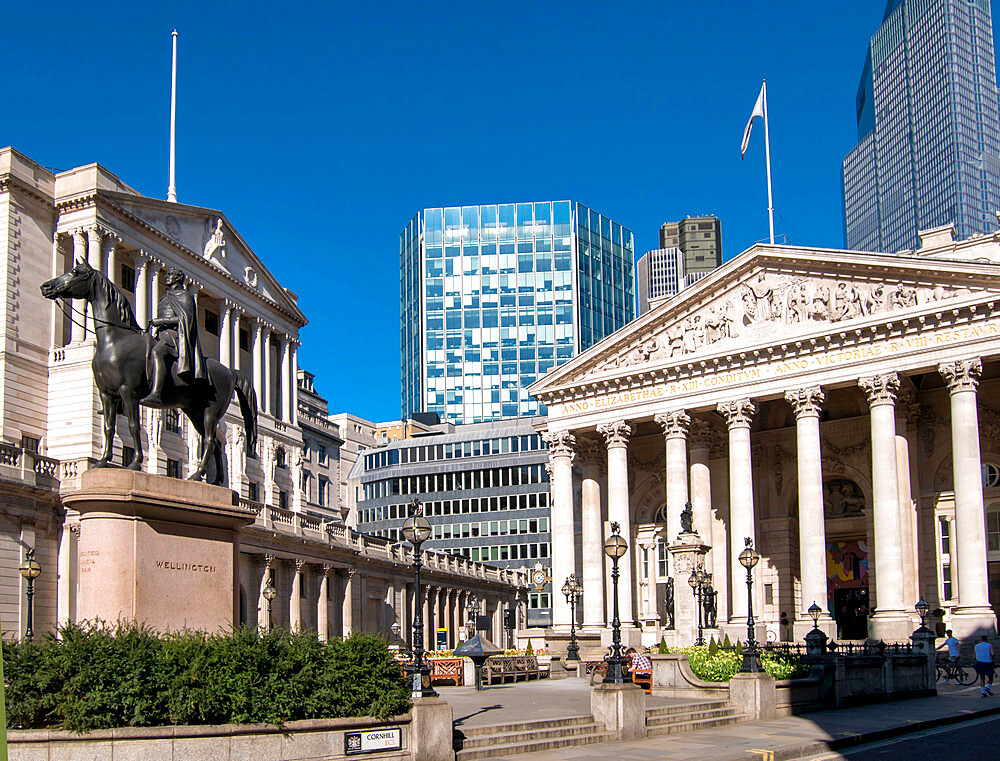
[(173, 468), (946, 582), (244, 340), (128, 453), (993, 530), (253, 491), (211, 323), (172, 420), (29, 443), (283, 499), (321, 455), (945, 525), (127, 278)]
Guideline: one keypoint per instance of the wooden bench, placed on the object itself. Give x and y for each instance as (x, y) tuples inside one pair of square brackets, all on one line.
[(596, 671), (510, 668), (448, 670)]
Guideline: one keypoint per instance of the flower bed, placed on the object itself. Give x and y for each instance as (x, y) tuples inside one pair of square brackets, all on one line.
[(720, 665)]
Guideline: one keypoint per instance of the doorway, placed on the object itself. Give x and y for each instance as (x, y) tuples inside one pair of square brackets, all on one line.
[(850, 607)]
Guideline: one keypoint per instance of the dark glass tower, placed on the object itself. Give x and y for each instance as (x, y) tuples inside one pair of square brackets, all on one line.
[(928, 151)]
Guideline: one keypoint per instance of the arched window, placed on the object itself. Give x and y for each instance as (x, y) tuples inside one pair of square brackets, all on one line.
[(661, 515), (991, 475)]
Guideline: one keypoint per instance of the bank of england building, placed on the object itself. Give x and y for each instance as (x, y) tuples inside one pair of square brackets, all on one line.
[(837, 409)]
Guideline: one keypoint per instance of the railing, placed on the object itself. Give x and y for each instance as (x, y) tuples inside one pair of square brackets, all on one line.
[(31, 467)]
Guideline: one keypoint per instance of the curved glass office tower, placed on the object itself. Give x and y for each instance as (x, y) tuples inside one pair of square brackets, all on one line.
[(492, 297), (928, 151)]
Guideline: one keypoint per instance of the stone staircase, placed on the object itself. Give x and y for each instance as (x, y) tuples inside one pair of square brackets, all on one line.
[(502, 740)]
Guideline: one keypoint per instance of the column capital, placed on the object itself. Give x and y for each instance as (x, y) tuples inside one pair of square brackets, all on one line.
[(807, 402), (590, 451), (325, 569), (674, 424), (94, 232), (80, 233), (560, 443), (880, 389), (616, 434), (142, 259), (738, 412), (702, 435), (350, 573), (269, 561), (962, 375), (299, 564)]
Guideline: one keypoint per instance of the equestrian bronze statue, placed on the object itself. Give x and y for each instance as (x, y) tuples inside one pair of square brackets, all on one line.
[(163, 368)]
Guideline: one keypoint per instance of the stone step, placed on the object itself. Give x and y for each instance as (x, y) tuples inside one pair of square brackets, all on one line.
[(491, 730), (505, 749), (689, 716), (671, 710), (694, 726), (535, 735)]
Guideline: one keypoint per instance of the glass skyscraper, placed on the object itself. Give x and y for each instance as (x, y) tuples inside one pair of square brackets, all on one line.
[(493, 297), (928, 151)]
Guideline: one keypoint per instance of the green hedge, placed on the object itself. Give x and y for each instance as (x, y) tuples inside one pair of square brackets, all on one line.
[(100, 676), (719, 665)]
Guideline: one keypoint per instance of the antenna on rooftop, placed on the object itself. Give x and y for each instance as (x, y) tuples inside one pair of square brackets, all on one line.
[(171, 186)]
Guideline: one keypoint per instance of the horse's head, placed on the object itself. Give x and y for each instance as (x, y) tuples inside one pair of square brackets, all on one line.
[(73, 284)]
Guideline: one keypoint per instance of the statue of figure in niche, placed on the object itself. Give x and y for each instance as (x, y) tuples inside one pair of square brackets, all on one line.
[(687, 519), (668, 603), (842, 498)]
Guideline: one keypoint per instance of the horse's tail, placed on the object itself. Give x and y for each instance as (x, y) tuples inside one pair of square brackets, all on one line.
[(248, 406)]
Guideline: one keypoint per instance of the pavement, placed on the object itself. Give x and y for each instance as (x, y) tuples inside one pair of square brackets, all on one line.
[(781, 739)]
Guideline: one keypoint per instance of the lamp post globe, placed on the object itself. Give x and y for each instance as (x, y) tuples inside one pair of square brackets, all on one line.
[(749, 558), (571, 590), (269, 594), (922, 608), (416, 530), (615, 548), (30, 569), (814, 613)]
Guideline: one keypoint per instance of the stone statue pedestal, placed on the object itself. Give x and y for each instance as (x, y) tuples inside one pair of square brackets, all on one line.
[(686, 554), (157, 550)]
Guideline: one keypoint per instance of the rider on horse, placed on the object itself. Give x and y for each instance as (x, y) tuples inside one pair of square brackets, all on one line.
[(176, 331)]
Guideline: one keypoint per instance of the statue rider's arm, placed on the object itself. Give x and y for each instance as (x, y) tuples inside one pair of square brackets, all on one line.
[(163, 322)]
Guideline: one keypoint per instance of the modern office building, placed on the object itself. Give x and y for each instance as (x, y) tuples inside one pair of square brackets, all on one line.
[(928, 151), (483, 487), (699, 239), (660, 274), (493, 297)]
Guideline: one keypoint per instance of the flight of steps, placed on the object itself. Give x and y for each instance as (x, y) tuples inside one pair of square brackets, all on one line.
[(526, 737), (708, 714), (532, 736)]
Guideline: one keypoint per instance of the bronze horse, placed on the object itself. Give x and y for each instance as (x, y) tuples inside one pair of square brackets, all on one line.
[(120, 367)]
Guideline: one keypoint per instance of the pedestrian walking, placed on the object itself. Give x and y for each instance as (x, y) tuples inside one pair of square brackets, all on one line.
[(984, 665)]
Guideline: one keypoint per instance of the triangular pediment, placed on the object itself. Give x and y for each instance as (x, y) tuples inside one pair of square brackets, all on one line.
[(777, 295), (207, 234)]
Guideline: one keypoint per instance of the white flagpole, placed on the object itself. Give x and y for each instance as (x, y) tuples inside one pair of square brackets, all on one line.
[(171, 186), (767, 156)]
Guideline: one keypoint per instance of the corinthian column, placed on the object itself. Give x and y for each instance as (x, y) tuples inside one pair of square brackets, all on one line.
[(295, 598), (891, 620), (563, 545), (323, 605), (807, 403), (700, 444), (78, 331), (593, 541), (226, 334), (973, 614), (738, 414), (617, 435), (675, 430)]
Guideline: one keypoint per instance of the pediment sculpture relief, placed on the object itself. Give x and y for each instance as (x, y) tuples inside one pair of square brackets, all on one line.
[(773, 305)]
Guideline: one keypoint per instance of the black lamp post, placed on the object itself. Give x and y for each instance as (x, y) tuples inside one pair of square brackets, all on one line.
[(572, 590), (814, 613), (698, 581), (269, 594), (922, 608), (471, 610), (615, 547), (751, 653), (30, 570), (416, 530)]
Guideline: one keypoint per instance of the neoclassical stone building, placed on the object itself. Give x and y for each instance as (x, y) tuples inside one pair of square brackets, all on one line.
[(839, 409)]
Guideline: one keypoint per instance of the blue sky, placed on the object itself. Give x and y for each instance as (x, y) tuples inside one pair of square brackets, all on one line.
[(321, 128)]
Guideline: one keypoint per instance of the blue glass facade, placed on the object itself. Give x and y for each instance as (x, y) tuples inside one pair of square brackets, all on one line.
[(493, 297), (928, 150)]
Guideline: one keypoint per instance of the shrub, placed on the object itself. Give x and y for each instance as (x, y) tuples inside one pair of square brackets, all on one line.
[(721, 665), (528, 650), (662, 648), (97, 676)]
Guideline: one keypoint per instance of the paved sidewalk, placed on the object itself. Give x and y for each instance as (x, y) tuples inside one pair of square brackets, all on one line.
[(786, 738)]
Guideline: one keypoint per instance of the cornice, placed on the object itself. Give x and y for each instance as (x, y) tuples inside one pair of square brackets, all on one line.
[(9, 181)]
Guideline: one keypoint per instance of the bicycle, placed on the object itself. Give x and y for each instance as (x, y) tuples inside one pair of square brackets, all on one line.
[(954, 671)]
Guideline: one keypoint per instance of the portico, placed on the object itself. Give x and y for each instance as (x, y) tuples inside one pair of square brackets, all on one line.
[(826, 405)]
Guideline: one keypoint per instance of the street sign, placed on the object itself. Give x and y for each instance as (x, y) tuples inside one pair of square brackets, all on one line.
[(373, 741)]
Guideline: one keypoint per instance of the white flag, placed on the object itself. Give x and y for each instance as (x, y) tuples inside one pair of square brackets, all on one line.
[(758, 110)]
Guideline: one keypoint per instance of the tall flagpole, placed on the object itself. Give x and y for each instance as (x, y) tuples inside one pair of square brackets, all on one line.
[(171, 186), (767, 156)]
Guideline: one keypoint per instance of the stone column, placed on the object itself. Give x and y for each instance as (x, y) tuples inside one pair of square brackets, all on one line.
[(907, 416), (285, 365), (564, 547), (738, 414), (675, 430), (322, 604), (593, 541), (267, 402), (972, 614), (617, 435), (263, 605), (807, 403), (891, 621), (234, 340), (428, 618), (700, 445), (142, 289), (154, 289), (94, 237), (79, 308), (405, 619), (226, 334), (347, 609), (257, 358), (456, 618), (295, 596), (110, 258), (293, 383)]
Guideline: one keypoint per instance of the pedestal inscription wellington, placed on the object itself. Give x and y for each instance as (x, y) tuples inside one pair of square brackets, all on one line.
[(157, 550)]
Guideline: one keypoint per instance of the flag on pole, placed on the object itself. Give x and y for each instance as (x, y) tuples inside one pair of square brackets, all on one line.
[(758, 110)]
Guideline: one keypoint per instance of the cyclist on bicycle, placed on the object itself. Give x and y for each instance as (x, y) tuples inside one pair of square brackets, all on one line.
[(954, 647)]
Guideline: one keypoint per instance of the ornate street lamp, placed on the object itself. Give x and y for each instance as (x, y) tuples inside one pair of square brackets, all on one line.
[(615, 547), (416, 530), (751, 653), (30, 570), (698, 581), (922, 609), (471, 610), (814, 613), (269, 594), (572, 590)]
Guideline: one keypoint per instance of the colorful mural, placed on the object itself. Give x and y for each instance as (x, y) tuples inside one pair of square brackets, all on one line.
[(847, 564)]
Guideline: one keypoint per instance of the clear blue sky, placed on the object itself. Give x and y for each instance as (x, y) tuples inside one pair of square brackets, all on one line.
[(321, 128)]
